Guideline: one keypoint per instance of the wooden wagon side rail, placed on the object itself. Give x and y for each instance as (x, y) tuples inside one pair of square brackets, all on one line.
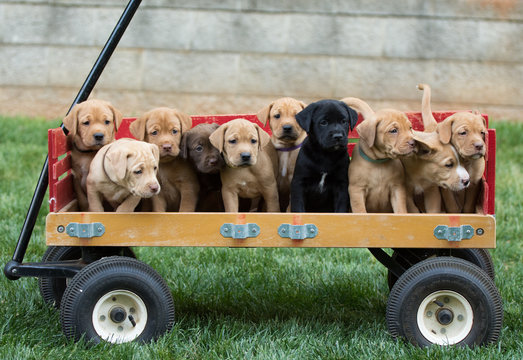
[(213, 229)]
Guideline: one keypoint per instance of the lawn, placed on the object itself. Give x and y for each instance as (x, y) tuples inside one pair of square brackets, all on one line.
[(249, 303)]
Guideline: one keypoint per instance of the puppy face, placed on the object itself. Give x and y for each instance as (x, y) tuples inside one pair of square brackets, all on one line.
[(92, 124), (281, 115), (327, 122), (240, 142), (389, 131), (197, 147), (466, 131), (133, 165), (164, 128), (440, 162)]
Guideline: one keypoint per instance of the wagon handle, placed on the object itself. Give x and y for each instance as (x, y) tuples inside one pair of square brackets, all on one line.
[(12, 268)]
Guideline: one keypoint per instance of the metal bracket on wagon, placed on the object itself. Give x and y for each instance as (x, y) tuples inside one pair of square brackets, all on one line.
[(83, 230), (298, 232), (239, 231), (444, 232)]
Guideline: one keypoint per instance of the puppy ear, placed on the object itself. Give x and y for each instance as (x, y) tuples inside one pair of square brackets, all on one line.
[(423, 145), (117, 116), (264, 114), (263, 137), (304, 117), (216, 138), (137, 127), (367, 131), (444, 130), (156, 152), (115, 164), (302, 104), (353, 115), (71, 120), (184, 152), (185, 120)]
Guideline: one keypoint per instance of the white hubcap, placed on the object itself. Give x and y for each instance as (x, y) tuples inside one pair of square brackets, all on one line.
[(445, 317), (119, 316)]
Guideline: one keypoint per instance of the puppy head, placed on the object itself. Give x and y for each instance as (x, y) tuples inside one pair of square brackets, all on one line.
[(92, 124), (440, 162), (162, 127), (133, 165), (466, 131), (197, 147), (327, 123), (239, 141), (389, 132), (281, 115)]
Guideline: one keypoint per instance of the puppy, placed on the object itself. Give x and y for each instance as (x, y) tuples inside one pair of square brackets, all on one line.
[(121, 174), (164, 127), (466, 132), (207, 160), (251, 164), (434, 165), (90, 125), (287, 137), (376, 175), (320, 182)]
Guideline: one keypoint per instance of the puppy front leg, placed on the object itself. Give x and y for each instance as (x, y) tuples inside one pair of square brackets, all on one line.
[(189, 196), (341, 200), (471, 197), (450, 201), (129, 204), (95, 201), (81, 197), (270, 195), (357, 199), (399, 200), (159, 203), (230, 200), (432, 200), (297, 197)]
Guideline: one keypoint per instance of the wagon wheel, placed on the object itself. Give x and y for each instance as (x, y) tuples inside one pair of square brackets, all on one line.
[(52, 288), (117, 299), (409, 257), (445, 301)]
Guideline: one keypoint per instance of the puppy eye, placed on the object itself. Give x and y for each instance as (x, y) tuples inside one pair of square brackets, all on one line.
[(483, 134), (393, 131), (107, 122), (86, 123), (324, 123), (449, 165), (175, 131), (138, 172), (463, 133), (154, 133), (277, 116), (232, 141), (155, 168), (199, 148), (254, 141)]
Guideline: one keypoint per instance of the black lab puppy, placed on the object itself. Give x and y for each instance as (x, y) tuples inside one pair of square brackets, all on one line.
[(320, 182)]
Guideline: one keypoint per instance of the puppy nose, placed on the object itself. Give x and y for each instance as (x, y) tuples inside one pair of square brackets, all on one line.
[(411, 143), (154, 187), (213, 161), (167, 147), (465, 182), (98, 136), (287, 128), (337, 136), (478, 146), (245, 156)]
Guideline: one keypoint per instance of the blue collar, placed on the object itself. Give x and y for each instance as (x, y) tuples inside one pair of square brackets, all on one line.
[(290, 148)]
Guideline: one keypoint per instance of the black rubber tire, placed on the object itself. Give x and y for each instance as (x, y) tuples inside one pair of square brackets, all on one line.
[(479, 257), (115, 274), (445, 274), (52, 289)]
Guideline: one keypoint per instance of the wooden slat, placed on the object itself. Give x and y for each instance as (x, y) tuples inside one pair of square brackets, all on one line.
[(60, 167), (64, 193), (334, 230)]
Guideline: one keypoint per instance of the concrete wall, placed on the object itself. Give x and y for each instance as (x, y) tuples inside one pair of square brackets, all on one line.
[(235, 56)]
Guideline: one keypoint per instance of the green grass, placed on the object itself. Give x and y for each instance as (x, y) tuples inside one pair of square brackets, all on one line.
[(249, 303)]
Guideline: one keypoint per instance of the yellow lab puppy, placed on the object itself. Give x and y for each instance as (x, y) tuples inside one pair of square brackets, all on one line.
[(251, 164), (91, 125), (376, 175), (121, 174), (287, 137), (164, 128), (466, 132)]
